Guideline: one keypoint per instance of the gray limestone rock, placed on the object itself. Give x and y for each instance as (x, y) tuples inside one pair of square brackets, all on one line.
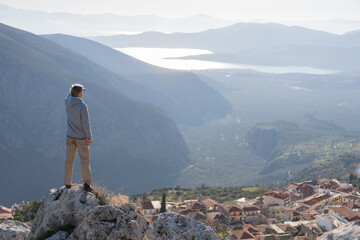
[(171, 226), (109, 222), (61, 235), (14, 230), (62, 209), (74, 214), (350, 231)]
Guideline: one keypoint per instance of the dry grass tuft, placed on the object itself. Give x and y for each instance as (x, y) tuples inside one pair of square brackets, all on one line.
[(102, 193), (118, 200), (107, 197)]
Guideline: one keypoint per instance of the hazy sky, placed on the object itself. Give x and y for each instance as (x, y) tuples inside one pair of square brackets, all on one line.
[(225, 9)]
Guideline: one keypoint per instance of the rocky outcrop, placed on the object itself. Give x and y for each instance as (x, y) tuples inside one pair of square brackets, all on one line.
[(171, 226), (349, 231), (14, 230), (62, 209), (110, 222), (74, 214), (61, 235)]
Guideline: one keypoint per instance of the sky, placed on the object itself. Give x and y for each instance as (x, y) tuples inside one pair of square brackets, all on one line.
[(243, 10)]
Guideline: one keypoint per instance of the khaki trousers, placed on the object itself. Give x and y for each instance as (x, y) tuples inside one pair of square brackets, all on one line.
[(84, 154)]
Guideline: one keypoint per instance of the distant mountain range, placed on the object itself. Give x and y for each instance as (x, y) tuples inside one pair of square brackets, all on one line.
[(103, 24), (186, 98), (41, 22), (234, 38), (337, 26), (259, 44), (136, 146)]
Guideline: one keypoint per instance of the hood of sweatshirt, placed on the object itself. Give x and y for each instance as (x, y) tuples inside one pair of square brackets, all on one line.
[(70, 100)]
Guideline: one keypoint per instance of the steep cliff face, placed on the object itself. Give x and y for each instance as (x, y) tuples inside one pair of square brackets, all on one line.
[(128, 136)]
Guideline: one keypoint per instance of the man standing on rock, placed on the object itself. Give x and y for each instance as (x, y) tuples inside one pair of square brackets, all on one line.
[(78, 136)]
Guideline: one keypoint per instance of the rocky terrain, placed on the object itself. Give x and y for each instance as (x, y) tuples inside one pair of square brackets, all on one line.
[(177, 227), (349, 231), (76, 214), (14, 230)]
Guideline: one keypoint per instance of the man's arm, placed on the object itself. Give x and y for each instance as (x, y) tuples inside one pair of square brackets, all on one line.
[(85, 122)]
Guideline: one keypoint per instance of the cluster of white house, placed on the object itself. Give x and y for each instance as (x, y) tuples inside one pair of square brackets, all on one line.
[(298, 211)]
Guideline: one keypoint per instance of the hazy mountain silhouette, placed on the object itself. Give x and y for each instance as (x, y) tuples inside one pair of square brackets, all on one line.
[(42, 22), (338, 26), (234, 38), (186, 98), (254, 43), (103, 55), (136, 146)]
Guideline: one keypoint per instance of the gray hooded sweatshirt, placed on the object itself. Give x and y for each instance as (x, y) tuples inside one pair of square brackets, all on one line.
[(78, 123)]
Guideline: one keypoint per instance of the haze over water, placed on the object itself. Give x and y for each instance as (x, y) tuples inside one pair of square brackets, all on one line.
[(166, 57)]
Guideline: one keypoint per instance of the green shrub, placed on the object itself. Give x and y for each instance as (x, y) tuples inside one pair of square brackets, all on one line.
[(19, 218), (27, 212)]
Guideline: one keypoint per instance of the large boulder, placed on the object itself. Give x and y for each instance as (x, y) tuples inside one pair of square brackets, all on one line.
[(61, 235), (14, 230), (74, 214), (62, 209), (171, 226), (111, 222), (350, 231)]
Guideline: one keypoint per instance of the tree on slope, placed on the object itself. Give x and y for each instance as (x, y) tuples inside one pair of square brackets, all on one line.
[(163, 203)]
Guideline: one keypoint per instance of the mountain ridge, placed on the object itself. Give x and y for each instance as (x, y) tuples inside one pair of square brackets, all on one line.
[(237, 37), (269, 44), (42, 22)]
